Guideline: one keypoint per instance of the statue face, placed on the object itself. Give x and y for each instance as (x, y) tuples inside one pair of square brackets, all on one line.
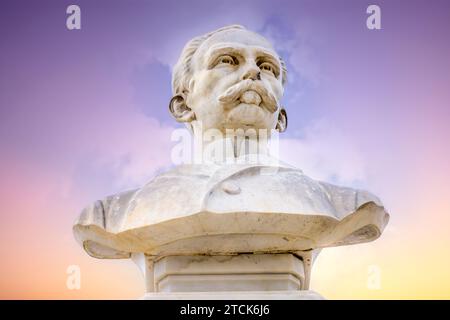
[(236, 82)]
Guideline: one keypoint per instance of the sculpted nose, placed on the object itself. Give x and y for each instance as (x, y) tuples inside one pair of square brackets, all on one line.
[(252, 73)]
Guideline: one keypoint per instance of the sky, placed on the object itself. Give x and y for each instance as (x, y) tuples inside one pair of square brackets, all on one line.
[(84, 114)]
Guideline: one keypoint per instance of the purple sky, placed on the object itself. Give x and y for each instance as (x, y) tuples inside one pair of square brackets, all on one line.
[(84, 113), (86, 102)]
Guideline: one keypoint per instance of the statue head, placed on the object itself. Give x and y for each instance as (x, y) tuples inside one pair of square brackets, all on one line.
[(230, 78)]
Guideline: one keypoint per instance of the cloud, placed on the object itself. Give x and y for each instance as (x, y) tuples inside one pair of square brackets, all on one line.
[(151, 82), (325, 153), (127, 159), (294, 41)]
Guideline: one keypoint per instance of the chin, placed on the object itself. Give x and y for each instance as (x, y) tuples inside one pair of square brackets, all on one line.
[(249, 116)]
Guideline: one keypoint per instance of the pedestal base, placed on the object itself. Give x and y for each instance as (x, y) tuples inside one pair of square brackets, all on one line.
[(244, 272), (239, 277)]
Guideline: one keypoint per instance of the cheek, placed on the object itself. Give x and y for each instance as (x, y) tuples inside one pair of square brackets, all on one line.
[(199, 88), (277, 88), (215, 81), (205, 87)]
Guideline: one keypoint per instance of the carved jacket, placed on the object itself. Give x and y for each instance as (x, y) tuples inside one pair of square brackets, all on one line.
[(229, 209)]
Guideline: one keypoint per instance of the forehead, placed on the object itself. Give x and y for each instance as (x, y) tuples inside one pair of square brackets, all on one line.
[(233, 38)]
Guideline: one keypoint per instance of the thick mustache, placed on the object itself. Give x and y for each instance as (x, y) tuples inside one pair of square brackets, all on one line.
[(233, 93)]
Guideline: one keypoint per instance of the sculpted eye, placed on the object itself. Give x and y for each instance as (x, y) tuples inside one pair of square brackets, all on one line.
[(227, 60), (266, 66)]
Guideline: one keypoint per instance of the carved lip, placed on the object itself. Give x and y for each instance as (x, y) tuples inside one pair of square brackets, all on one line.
[(234, 93), (251, 97)]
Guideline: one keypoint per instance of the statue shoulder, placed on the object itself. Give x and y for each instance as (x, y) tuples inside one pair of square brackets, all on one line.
[(346, 200), (97, 220), (101, 212), (174, 191)]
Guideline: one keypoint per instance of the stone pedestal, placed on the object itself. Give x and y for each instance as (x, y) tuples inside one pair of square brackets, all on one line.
[(243, 276)]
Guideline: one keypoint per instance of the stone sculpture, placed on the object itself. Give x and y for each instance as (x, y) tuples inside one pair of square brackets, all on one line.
[(224, 229)]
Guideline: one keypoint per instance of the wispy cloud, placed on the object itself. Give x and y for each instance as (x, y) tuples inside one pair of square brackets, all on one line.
[(325, 153)]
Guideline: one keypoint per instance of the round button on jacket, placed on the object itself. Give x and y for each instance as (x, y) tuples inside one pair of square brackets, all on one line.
[(230, 187)]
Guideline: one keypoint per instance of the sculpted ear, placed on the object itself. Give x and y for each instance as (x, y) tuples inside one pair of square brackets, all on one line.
[(282, 120), (180, 110)]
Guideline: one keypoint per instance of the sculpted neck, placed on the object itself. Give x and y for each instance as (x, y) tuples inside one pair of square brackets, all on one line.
[(213, 146)]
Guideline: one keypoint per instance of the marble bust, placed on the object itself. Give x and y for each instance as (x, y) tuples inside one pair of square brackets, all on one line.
[(229, 80)]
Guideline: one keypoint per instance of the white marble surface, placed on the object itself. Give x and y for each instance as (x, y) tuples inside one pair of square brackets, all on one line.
[(221, 207), (244, 272), (231, 78), (188, 210)]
